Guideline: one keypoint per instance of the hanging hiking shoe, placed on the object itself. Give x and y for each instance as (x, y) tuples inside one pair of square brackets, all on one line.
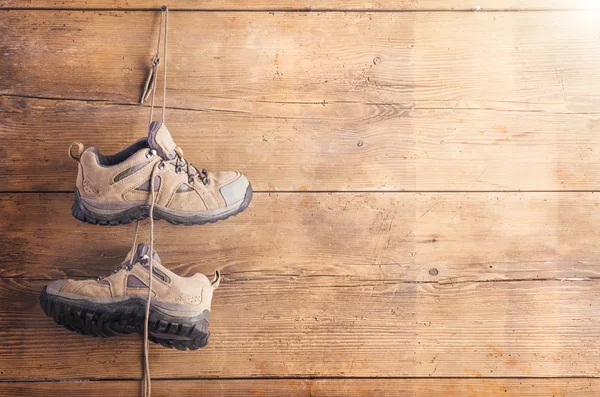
[(115, 189), (179, 310)]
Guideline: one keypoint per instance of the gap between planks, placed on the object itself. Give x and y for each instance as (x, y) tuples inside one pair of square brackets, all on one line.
[(344, 191), (303, 9), (317, 103), (276, 378), (405, 387), (372, 281)]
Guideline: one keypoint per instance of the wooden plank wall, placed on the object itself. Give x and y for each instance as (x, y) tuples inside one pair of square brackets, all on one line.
[(426, 215)]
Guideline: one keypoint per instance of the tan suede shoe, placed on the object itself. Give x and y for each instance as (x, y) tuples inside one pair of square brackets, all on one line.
[(179, 312), (115, 189)]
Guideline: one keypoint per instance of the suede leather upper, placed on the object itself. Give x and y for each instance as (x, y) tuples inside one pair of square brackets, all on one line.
[(130, 280), (124, 181)]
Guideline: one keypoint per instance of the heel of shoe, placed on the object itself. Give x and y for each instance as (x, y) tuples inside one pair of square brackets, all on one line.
[(83, 214), (77, 209), (87, 319)]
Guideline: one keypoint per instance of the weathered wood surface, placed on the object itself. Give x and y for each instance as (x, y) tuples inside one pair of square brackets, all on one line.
[(306, 5), (238, 61), (282, 326), (369, 236), (341, 146), (322, 387), (336, 284)]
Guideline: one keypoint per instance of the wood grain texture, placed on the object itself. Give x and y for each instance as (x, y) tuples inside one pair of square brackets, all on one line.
[(339, 284), (282, 326), (306, 5), (315, 388), (236, 61), (374, 236), (337, 147)]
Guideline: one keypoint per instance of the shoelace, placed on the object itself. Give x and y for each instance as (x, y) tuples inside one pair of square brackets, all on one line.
[(118, 269), (151, 86), (181, 164), (146, 348), (190, 169)]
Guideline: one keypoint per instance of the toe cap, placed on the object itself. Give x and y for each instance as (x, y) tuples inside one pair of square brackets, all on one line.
[(234, 192)]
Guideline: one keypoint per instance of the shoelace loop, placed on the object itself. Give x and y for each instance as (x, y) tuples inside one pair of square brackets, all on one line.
[(182, 165), (126, 267)]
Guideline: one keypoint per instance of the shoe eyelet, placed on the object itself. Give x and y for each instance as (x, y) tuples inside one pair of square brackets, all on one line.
[(178, 170), (205, 181), (161, 166), (204, 171), (151, 154), (191, 180)]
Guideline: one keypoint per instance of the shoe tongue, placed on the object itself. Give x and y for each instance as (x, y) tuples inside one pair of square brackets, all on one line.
[(159, 139), (144, 250)]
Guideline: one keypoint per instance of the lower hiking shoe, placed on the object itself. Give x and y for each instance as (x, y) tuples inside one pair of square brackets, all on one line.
[(116, 189), (179, 311)]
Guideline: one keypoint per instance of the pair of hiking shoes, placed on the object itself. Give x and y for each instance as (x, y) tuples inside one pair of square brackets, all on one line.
[(150, 178)]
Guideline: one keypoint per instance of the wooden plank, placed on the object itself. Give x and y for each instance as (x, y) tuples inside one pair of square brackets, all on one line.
[(234, 61), (282, 326), (386, 236), (322, 387), (319, 148), (306, 5)]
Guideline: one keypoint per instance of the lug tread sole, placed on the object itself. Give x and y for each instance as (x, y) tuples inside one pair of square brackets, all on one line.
[(106, 321)]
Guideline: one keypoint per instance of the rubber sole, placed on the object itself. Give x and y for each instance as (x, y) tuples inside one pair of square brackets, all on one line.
[(105, 320), (138, 213)]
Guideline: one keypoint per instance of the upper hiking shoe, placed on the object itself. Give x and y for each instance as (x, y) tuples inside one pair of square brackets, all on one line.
[(116, 189), (179, 310)]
